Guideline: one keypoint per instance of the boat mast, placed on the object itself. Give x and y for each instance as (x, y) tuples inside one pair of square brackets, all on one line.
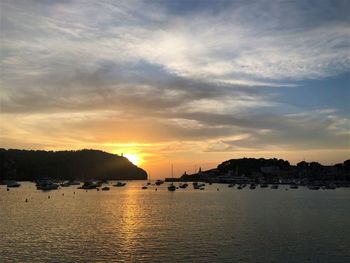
[(172, 174)]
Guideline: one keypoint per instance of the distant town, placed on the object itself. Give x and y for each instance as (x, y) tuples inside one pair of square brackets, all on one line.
[(273, 171)]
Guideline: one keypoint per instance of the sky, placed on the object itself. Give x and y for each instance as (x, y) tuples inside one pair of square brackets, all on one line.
[(189, 83)]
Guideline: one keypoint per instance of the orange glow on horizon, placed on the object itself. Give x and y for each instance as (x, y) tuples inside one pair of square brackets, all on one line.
[(134, 158)]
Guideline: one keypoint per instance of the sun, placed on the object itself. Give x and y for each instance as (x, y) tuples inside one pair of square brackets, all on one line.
[(134, 158)]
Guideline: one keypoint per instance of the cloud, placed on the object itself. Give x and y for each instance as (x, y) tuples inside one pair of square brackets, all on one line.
[(206, 74)]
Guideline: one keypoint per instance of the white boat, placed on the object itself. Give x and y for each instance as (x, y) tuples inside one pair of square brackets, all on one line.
[(119, 184), (74, 182), (12, 183), (65, 184)]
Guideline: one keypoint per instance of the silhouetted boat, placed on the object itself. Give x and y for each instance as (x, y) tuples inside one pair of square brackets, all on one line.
[(274, 186), (106, 188), (293, 186), (197, 185), (231, 185), (65, 184), (183, 185), (159, 182), (313, 187), (252, 186), (46, 185), (331, 187), (144, 187), (172, 187), (119, 184), (88, 186), (74, 182), (240, 187), (12, 183), (264, 185)]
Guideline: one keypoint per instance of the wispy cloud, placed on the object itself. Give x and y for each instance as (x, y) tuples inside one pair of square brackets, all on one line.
[(199, 72)]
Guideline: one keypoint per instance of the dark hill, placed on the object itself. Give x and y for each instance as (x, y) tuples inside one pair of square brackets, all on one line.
[(82, 164)]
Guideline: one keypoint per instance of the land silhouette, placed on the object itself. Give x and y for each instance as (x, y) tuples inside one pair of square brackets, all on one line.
[(25, 165)]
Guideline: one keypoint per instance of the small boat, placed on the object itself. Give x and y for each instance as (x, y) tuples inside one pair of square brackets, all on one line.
[(171, 187), (119, 184), (74, 182), (231, 185), (264, 185), (159, 182), (293, 186), (331, 187), (313, 187), (65, 184), (88, 185), (274, 186), (13, 183), (183, 186), (252, 186), (47, 185), (144, 187), (240, 187), (197, 185), (106, 188)]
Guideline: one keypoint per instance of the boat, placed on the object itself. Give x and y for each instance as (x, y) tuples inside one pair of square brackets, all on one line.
[(331, 187), (47, 185), (172, 187), (74, 182), (252, 186), (264, 185), (88, 185), (313, 187), (12, 183), (274, 186), (197, 185), (144, 187), (183, 186), (293, 186), (231, 185), (65, 184), (240, 187), (119, 184), (159, 182), (106, 188)]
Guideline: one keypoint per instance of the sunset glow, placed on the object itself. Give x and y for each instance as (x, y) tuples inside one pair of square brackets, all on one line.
[(180, 82), (134, 158)]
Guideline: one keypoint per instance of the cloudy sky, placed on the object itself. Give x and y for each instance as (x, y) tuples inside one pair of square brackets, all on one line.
[(192, 83)]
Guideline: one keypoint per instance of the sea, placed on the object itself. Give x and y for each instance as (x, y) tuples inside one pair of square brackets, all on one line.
[(218, 224)]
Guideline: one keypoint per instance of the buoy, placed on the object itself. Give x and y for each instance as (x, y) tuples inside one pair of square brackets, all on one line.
[(48, 197), (156, 189), (63, 194), (73, 192), (217, 189), (26, 200), (8, 189)]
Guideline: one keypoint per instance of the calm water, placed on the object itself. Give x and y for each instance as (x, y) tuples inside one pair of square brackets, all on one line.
[(132, 225)]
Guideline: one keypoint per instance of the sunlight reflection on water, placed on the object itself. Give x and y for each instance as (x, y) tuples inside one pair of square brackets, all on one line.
[(129, 224)]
